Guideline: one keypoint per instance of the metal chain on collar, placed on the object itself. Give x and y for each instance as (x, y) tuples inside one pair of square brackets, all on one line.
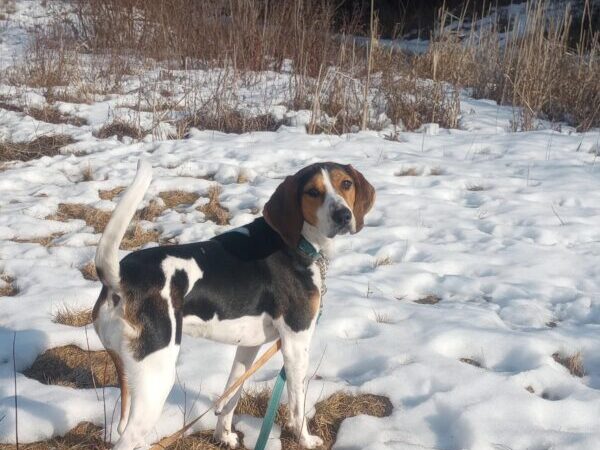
[(323, 263)]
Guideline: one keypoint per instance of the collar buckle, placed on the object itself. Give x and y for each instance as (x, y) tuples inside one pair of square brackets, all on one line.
[(308, 249)]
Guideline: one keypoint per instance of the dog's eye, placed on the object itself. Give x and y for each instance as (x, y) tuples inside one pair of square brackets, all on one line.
[(312, 192), (346, 184)]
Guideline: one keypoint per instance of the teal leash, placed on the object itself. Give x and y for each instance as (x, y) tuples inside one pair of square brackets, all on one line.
[(267, 424)]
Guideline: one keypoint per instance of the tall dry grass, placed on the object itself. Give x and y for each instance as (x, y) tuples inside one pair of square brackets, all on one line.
[(544, 61)]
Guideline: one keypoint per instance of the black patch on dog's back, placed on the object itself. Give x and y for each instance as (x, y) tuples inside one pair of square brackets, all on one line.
[(245, 273)]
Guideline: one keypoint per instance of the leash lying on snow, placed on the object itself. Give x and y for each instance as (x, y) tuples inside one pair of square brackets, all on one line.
[(267, 424), (168, 440)]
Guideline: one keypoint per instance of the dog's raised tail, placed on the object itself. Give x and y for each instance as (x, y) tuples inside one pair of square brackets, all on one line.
[(107, 254)]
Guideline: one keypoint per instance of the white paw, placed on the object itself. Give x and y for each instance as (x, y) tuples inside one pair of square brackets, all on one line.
[(228, 438), (311, 441)]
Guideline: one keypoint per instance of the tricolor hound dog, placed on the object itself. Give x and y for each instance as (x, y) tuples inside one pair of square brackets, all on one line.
[(245, 287)]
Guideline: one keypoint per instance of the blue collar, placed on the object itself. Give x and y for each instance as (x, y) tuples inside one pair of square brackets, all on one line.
[(308, 249)]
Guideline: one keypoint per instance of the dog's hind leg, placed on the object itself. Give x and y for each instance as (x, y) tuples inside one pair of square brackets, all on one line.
[(125, 395), (150, 380), (244, 357)]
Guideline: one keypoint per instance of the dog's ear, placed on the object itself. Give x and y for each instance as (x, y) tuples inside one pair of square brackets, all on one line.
[(365, 196), (284, 213)]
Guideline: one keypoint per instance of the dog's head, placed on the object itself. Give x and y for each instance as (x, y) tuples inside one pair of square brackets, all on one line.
[(333, 198)]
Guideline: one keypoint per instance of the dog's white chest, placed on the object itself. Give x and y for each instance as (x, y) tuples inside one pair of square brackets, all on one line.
[(246, 331)]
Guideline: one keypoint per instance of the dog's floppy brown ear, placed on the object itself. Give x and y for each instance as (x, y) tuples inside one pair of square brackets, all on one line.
[(283, 211), (365, 196)]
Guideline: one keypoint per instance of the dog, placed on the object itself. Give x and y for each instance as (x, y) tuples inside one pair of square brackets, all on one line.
[(245, 287)]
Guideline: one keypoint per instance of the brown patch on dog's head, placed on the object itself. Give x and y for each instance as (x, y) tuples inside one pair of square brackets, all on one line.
[(300, 196), (364, 196), (344, 184)]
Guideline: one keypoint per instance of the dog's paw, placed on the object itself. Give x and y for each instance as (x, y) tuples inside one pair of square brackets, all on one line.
[(310, 441), (229, 438)]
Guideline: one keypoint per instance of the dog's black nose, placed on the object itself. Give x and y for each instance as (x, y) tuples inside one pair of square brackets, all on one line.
[(342, 216)]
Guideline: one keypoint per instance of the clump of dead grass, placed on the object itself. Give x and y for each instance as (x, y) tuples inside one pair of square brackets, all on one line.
[(471, 361), (199, 441), (213, 210), (89, 271), (109, 194), (328, 416), (383, 261), (573, 363), (408, 172), (227, 120), (74, 317), (95, 218), (383, 317), (84, 436), (41, 146), (430, 299), (71, 366), (53, 115), (135, 237), (87, 174), (544, 60), (8, 286), (151, 211), (475, 187), (120, 129), (173, 199)]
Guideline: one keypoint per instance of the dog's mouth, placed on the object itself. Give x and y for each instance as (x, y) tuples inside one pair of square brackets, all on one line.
[(339, 230)]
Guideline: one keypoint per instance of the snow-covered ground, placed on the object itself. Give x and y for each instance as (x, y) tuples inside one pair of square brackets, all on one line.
[(503, 227)]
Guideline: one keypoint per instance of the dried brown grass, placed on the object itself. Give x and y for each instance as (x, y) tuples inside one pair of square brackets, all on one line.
[(135, 237), (9, 286), (41, 146), (383, 261), (213, 210), (150, 212), (199, 441), (85, 436), (471, 361), (328, 416), (542, 70), (120, 129), (255, 35), (53, 115), (430, 299), (110, 194), (573, 363), (227, 120), (408, 172), (534, 63), (71, 366), (89, 271), (173, 199), (74, 317), (383, 318), (87, 174), (412, 102)]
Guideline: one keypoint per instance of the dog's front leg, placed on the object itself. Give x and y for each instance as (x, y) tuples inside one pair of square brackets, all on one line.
[(244, 357), (295, 349)]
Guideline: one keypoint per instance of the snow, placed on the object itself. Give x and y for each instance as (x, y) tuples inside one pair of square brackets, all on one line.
[(502, 226)]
